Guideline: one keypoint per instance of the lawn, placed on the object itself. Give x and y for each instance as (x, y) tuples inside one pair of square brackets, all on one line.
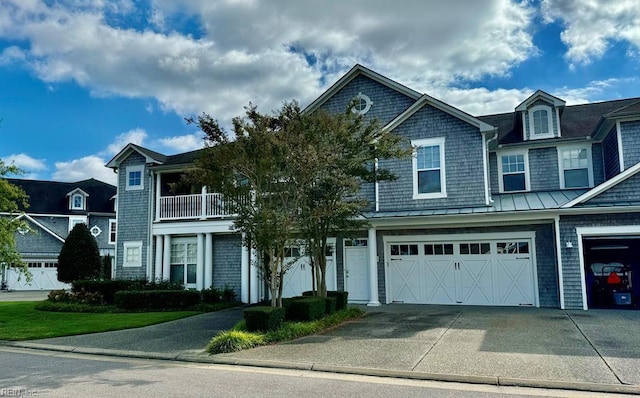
[(21, 321)]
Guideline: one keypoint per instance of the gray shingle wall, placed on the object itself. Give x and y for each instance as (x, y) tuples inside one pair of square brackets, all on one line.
[(610, 154), (545, 255), (598, 165), (59, 225), (133, 218), (38, 243), (543, 169), (387, 103), (493, 173), (570, 257), (463, 163), (627, 190), (630, 133), (103, 223), (227, 262)]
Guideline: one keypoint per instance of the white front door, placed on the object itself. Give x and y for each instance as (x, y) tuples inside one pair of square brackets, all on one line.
[(356, 269), (299, 278)]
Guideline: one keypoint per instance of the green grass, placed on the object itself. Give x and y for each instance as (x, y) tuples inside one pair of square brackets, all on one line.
[(22, 321), (238, 338)]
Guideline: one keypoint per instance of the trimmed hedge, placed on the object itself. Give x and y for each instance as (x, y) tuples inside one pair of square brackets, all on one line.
[(106, 288), (306, 309), (157, 299), (329, 305), (341, 297), (264, 318)]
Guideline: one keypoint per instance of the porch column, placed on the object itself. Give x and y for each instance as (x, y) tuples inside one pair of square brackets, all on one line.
[(158, 269), (158, 192), (208, 260), (373, 269), (254, 279), (200, 263), (166, 258), (244, 273)]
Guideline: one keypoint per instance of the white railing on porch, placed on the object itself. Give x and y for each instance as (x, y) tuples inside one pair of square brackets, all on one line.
[(198, 206)]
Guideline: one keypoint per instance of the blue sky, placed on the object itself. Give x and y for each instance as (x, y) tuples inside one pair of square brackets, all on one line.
[(78, 81)]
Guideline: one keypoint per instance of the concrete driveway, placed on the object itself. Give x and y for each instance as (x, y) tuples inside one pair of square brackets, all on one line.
[(27, 295), (601, 346)]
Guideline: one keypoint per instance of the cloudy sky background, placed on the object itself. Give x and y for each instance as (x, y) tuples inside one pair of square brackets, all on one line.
[(78, 81)]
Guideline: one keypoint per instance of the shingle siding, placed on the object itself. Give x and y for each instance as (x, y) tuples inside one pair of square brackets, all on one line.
[(543, 169), (58, 225), (630, 133), (626, 191), (387, 103), (570, 257), (133, 222), (227, 260), (493, 173), (463, 163), (598, 164), (38, 243), (610, 154)]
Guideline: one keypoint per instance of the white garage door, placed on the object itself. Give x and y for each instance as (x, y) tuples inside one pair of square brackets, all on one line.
[(299, 277), (496, 272), (44, 277)]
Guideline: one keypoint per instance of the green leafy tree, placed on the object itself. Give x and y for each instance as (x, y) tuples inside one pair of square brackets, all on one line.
[(79, 257), (12, 198)]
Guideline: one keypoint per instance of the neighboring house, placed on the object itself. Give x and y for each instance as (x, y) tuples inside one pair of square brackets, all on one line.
[(54, 209), (535, 207)]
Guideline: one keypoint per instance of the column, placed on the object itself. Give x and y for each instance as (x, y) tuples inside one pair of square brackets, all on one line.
[(373, 269), (244, 273), (158, 193), (208, 260), (166, 258), (158, 269), (200, 263), (254, 279)]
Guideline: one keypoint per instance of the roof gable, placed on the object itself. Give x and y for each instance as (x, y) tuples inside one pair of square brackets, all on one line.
[(609, 185), (540, 95), (149, 156), (31, 220)]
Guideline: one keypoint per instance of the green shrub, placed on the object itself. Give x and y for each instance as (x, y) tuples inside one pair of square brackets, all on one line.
[(105, 287), (53, 306), (264, 318), (232, 341), (79, 257), (306, 309), (341, 297), (59, 296), (330, 305), (157, 299), (228, 294), (211, 296)]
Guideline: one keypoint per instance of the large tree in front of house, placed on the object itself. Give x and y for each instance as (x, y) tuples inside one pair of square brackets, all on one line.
[(12, 198), (79, 257)]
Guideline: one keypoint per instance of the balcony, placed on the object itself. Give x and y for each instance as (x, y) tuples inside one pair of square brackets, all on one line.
[(192, 207)]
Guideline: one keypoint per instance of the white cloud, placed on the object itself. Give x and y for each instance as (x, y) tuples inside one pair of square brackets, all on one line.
[(84, 168), (183, 143), (26, 163), (134, 136), (592, 26)]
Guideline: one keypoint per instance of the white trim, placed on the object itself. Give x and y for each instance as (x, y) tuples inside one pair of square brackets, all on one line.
[(559, 257), (561, 170), (31, 219), (113, 222), (630, 172), (620, 149), (73, 220), (525, 153), (190, 228), (532, 130), (485, 170), (245, 265), (440, 142), (374, 300), (367, 105), (95, 231), (134, 169), (72, 202), (376, 187), (558, 121), (137, 244)]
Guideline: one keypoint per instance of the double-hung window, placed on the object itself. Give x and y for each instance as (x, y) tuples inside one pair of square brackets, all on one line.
[(513, 172), (540, 121), (575, 167), (132, 254), (428, 169), (134, 178)]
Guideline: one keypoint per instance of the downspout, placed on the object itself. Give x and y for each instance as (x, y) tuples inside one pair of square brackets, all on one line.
[(376, 188), (487, 173)]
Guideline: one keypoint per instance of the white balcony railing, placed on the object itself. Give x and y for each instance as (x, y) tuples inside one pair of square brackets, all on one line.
[(198, 206)]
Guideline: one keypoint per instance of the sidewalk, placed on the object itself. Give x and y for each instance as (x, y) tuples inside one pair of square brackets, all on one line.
[(589, 351)]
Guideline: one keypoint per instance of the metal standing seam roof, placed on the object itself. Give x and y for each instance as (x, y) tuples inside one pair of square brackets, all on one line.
[(506, 202)]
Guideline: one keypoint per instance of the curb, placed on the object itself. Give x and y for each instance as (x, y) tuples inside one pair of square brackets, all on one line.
[(400, 374)]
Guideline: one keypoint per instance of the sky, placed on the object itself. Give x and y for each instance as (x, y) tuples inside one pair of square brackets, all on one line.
[(80, 79)]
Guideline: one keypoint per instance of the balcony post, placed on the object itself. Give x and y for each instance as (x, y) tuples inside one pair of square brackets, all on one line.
[(203, 203)]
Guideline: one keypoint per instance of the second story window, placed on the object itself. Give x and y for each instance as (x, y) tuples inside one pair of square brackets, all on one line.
[(540, 122), (112, 231), (575, 167), (513, 172), (77, 202), (428, 169), (134, 178)]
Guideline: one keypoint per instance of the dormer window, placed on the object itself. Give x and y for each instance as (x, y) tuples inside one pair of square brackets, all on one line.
[(77, 199), (540, 121)]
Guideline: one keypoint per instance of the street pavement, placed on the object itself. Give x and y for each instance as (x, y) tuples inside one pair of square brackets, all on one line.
[(595, 350)]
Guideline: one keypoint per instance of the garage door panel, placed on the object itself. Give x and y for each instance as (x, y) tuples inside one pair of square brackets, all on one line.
[(439, 280), (476, 281), (406, 279), (514, 281)]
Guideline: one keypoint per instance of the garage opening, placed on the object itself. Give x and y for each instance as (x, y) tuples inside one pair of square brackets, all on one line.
[(612, 271)]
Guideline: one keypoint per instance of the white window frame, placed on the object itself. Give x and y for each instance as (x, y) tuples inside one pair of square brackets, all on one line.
[(72, 202), (76, 220), (133, 245), (532, 130), (527, 185), (133, 169), (443, 181), (561, 168), (112, 223), (367, 104)]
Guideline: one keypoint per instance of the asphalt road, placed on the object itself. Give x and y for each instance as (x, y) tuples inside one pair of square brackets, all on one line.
[(27, 373)]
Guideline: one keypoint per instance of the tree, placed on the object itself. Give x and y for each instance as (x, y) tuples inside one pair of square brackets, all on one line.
[(12, 198), (79, 257)]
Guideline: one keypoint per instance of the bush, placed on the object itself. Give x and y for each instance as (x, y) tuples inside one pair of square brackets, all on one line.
[(232, 341), (53, 306), (264, 318), (341, 297), (80, 297), (211, 296), (306, 309), (106, 288), (330, 305), (59, 296), (157, 299), (79, 257), (228, 294)]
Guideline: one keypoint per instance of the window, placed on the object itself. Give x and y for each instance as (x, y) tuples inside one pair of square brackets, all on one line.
[(76, 220), (134, 178), (77, 202), (428, 169), (184, 259), (362, 104), (513, 172), (540, 122), (575, 167), (475, 248), (513, 247), (404, 250), (132, 254), (95, 231), (112, 232)]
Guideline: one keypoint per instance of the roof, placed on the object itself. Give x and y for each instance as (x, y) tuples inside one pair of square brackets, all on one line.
[(511, 202), (50, 197), (595, 191), (149, 155)]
